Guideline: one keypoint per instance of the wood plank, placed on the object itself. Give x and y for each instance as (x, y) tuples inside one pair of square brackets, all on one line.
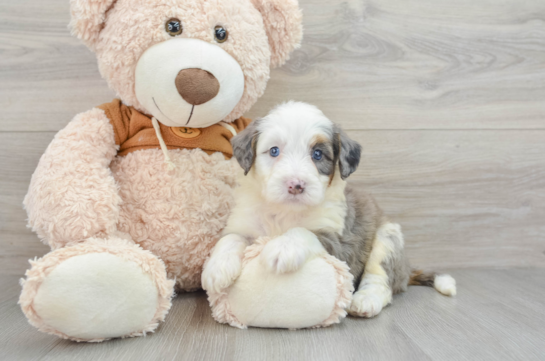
[(19, 156), (46, 75), (419, 64), (416, 64), (487, 320), (190, 333), (463, 198), (495, 325), (18, 339)]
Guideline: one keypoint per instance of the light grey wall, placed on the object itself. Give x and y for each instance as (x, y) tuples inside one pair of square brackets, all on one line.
[(446, 97)]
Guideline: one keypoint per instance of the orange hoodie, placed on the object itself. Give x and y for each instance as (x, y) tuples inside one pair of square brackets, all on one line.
[(134, 131)]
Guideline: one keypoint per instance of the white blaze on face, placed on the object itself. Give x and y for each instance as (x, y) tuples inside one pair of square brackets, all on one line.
[(156, 89), (293, 128)]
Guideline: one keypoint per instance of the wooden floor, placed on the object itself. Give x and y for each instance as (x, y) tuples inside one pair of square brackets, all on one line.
[(447, 99), (497, 315)]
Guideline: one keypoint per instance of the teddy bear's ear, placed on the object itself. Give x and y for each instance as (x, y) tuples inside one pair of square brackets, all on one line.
[(88, 17), (283, 24)]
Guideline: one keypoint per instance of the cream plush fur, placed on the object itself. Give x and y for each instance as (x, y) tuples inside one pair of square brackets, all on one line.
[(317, 295), (123, 227)]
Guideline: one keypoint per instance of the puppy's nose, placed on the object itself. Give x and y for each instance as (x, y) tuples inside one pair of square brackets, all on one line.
[(197, 86), (296, 187)]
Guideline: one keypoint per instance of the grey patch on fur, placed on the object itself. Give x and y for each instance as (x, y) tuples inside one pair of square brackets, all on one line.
[(342, 150), (350, 154), (363, 219), (397, 267), (244, 144), (326, 165), (360, 227)]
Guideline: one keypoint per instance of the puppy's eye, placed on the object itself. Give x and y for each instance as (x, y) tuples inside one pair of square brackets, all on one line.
[(274, 152), (220, 34), (317, 154), (174, 27)]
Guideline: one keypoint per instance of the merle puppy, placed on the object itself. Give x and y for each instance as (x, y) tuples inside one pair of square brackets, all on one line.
[(295, 162)]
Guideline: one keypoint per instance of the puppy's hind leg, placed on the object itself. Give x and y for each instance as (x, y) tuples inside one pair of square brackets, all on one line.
[(374, 291)]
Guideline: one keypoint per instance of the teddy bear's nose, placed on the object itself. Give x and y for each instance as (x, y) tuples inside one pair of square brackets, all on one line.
[(197, 86)]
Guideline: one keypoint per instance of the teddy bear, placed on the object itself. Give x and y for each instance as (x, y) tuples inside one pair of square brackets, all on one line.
[(132, 195)]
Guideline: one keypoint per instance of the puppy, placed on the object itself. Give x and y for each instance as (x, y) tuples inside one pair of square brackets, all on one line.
[(295, 162)]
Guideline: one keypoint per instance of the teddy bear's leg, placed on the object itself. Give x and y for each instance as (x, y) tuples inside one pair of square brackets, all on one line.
[(315, 295), (97, 290)]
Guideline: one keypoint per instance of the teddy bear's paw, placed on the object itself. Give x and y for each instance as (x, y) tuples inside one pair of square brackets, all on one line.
[(97, 296), (221, 271), (284, 254), (366, 304)]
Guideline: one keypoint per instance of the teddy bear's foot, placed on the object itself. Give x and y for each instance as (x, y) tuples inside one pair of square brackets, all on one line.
[(316, 295), (97, 290)]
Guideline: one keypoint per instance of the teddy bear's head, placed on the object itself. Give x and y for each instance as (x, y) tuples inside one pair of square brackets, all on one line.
[(188, 62)]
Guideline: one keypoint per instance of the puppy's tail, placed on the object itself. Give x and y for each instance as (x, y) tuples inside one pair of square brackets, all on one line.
[(443, 283)]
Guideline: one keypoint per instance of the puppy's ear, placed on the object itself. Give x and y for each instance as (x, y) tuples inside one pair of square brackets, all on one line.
[(348, 153), (244, 146)]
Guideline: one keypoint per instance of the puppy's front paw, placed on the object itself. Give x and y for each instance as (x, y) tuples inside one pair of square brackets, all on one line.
[(221, 271), (283, 255), (365, 304)]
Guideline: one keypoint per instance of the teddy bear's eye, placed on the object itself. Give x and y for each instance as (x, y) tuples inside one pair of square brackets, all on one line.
[(174, 27), (220, 34)]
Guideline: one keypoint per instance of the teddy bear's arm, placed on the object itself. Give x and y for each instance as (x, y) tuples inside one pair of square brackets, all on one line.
[(72, 193)]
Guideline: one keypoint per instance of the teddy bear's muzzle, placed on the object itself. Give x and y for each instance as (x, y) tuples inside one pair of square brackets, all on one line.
[(188, 82)]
